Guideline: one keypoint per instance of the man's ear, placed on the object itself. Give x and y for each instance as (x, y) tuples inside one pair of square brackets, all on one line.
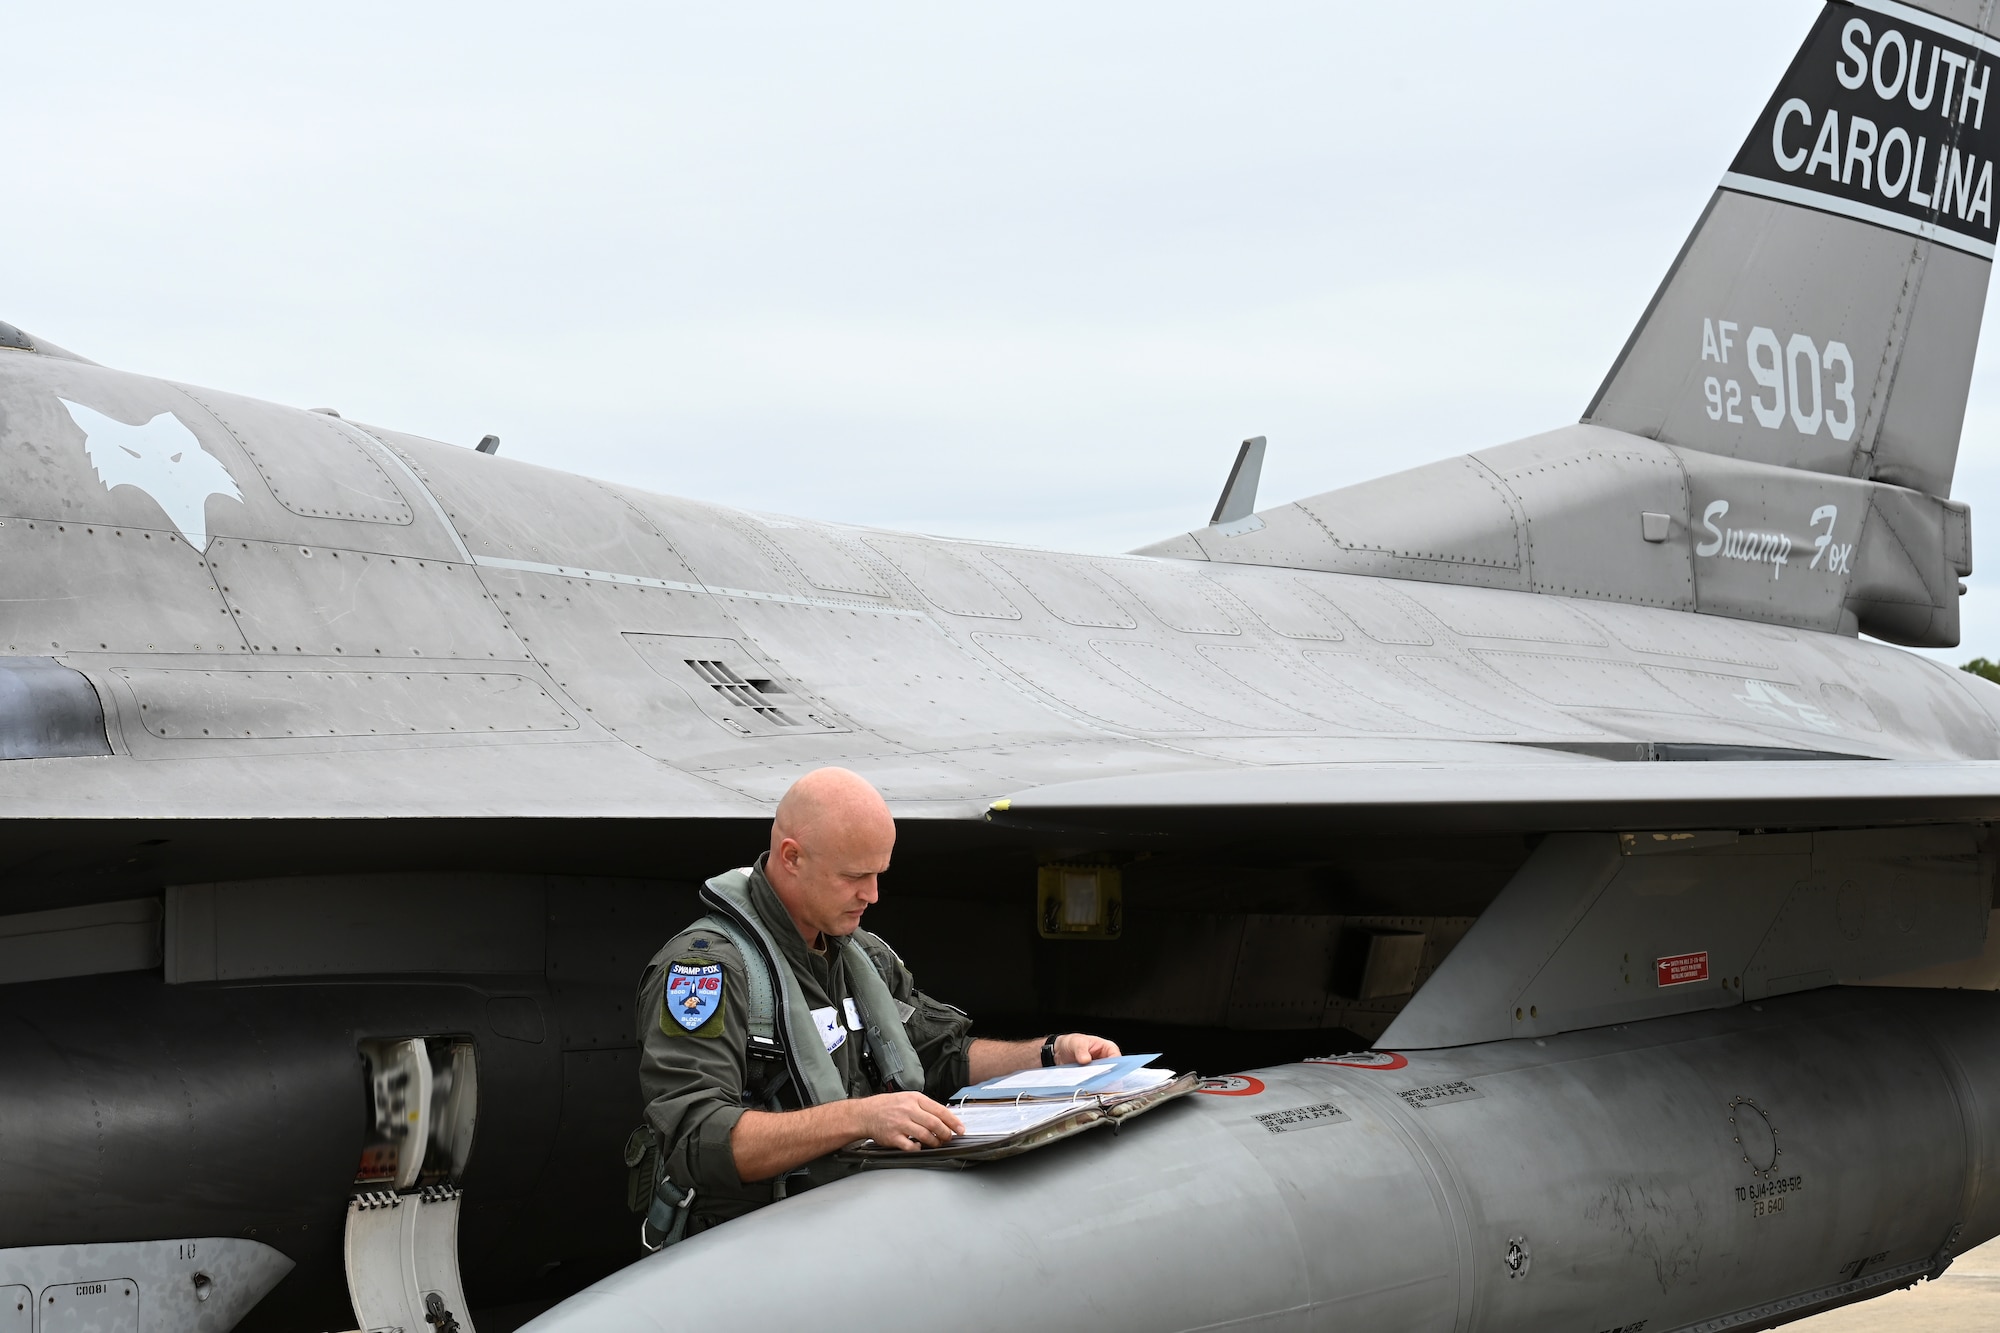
[(789, 853)]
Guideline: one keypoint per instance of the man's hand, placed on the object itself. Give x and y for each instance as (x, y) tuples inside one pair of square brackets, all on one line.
[(1080, 1048), (770, 1143), (987, 1058), (906, 1120)]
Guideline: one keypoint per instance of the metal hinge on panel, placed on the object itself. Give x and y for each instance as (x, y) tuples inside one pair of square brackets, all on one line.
[(402, 1261)]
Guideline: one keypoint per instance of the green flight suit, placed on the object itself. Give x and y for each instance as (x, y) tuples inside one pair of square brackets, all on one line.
[(694, 1083)]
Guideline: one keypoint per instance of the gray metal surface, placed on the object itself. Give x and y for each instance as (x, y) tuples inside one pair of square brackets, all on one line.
[(951, 672), (1656, 390), (48, 711), (1566, 513), (1575, 940), (319, 734), (1239, 494), (202, 1284), (1596, 1180), (1463, 786)]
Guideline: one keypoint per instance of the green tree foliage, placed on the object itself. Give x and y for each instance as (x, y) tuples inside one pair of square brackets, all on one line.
[(1979, 666)]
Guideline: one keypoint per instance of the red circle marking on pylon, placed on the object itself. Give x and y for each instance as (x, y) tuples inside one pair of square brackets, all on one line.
[(1365, 1060), (1232, 1085)]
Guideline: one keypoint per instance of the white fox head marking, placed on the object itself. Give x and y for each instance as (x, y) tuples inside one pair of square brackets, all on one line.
[(161, 458)]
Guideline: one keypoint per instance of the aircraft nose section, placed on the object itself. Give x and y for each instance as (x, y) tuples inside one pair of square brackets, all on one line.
[(1171, 1226)]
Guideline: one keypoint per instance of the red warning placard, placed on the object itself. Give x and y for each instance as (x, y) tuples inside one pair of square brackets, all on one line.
[(1682, 968)]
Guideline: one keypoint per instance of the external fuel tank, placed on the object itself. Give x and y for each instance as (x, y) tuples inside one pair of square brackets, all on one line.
[(1723, 1170)]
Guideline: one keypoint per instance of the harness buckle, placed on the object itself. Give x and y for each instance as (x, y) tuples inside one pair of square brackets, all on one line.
[(668, 1216)]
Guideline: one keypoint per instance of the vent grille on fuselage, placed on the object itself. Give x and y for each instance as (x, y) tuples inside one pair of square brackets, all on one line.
[(740, 692)]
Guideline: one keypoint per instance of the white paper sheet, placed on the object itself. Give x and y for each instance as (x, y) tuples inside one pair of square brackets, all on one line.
[(1061, 1076), (996, 1120), (1139, 1080), (988, 1122)]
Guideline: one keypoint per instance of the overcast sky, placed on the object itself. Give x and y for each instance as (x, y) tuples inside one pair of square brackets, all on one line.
[(1023, 271)]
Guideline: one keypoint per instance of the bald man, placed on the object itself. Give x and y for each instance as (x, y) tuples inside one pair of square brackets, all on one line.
[(866, 1054)]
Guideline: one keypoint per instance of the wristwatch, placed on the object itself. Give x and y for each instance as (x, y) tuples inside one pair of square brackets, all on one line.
[(1049, 1050)]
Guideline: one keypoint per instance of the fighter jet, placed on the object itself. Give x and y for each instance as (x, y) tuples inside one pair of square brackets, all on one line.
[(1586, 904)]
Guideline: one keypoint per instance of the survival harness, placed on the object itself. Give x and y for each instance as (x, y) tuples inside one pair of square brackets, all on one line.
[(784, 1045)]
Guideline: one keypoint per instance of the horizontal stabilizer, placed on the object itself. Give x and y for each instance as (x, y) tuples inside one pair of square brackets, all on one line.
[(1589, 512)]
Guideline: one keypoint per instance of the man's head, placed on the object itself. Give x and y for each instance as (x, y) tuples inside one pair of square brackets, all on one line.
[(832, 837)]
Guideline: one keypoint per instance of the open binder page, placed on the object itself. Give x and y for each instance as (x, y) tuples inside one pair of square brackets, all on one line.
[(997, 1129), (1060, 1081), (988, 1122)]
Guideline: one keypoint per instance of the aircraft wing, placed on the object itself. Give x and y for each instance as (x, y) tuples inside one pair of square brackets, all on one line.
[(1523, 794), (350, 779)]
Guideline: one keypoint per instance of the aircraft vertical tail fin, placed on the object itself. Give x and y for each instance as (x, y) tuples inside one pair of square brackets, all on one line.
[(1824, 313)]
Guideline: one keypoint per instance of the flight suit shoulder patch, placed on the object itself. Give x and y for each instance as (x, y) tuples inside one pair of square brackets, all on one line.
[(691, 1002)]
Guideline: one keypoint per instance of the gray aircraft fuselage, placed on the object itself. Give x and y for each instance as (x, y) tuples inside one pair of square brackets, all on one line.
[(1562, 773)]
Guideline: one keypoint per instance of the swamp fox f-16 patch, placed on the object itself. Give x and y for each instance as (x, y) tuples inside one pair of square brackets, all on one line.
[(693, 998)]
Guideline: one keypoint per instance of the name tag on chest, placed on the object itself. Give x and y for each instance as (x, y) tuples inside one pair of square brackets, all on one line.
[(831, 1030)]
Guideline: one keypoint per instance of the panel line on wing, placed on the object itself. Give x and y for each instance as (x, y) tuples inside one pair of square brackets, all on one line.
[(403, 465), (676, 585)]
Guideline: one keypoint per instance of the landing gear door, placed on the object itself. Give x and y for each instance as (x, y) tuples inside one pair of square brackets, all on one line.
[(400, 1081), (402, 1223)]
